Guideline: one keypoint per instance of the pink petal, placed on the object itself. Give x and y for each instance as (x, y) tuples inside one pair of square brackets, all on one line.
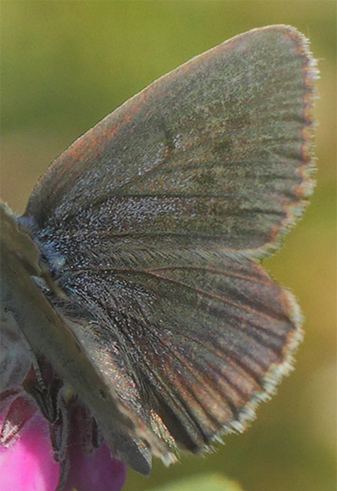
[(28, 463), (96, 471)]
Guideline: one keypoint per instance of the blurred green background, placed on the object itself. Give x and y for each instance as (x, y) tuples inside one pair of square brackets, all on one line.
[(66, 64)]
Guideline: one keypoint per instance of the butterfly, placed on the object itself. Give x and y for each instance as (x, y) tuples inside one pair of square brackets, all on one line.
[(134, 273)]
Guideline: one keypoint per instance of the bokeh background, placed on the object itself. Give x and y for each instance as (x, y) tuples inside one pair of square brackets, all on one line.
[(66, 64)]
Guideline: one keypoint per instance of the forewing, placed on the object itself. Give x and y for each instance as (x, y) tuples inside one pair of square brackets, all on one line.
[(214, 153)]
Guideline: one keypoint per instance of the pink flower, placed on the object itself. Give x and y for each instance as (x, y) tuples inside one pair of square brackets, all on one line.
[(27, 453), (47, 443)]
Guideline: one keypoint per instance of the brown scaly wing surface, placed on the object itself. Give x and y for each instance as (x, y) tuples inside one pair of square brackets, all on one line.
[(153, 223)]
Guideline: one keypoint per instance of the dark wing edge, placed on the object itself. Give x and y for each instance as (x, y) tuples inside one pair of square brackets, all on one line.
[(307, 169), (278, 370)]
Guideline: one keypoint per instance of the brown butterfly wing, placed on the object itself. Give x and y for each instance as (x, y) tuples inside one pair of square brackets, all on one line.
[(201, 344), (152, 223)]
